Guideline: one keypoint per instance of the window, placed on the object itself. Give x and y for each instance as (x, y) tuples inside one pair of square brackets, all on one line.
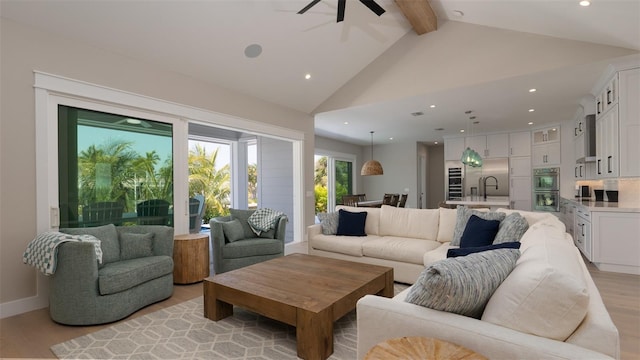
[(113, 169)]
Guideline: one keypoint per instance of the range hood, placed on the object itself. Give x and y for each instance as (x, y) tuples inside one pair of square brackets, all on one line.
[(586, 139)]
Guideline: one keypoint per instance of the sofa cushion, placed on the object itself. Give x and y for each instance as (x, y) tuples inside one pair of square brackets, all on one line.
[(546, 294), (351, 223), (123, 275), (243, 217), (531, 216), (252, 247), (464, 284), (462, 217), (329, 222), (479, 232), (511, 228), (410, 223), (437, 254), (471, 250), (372, 225), (233, 230), (398, 248), (348, 245), (109, 242), (446, 224), (133, 246)]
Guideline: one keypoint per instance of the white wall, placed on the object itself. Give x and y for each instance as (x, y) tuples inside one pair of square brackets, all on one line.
[(25, 49), (275, 179), (399, 162)]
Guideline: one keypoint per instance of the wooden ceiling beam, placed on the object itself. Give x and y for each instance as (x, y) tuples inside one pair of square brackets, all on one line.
[(420, 15)]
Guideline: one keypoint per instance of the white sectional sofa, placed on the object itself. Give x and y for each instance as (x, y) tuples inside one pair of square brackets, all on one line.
[(548, 307)]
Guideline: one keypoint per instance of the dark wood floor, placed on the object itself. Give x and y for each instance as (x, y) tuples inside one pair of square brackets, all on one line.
[(30, 335)]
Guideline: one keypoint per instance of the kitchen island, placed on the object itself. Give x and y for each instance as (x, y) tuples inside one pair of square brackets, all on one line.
[(492, 202)]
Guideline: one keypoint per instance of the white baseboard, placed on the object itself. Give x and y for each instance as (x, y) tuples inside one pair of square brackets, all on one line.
[(19, 306)]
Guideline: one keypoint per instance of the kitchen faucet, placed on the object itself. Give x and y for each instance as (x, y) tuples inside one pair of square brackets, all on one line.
[(484, 184)]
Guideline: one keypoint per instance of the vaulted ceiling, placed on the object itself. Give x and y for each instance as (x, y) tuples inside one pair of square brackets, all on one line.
[(361, 69)]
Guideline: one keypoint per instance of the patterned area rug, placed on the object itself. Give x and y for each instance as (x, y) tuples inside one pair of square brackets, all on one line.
[(182, 332)]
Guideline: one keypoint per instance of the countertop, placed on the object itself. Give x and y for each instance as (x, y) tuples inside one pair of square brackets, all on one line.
[(621, 206), (479, 200)]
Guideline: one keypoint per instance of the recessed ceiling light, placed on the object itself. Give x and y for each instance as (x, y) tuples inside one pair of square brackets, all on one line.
[(346, 123), (458, 13), (435, 142), (585, 3), (390, 138), (532, 110), (533, 90), (307, 76), (432, 106), (461, 130), (253, 51), (530, 123)]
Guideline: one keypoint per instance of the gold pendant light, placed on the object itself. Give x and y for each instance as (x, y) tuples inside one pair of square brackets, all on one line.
[(371, 167)]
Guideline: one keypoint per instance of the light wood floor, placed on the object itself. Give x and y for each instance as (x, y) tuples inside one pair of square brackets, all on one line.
[(30, 335)]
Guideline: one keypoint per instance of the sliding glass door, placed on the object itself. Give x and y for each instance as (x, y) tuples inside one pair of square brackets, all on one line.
[(334, 177)]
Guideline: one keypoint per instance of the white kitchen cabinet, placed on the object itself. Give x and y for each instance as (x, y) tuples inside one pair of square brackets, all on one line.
[(544, 136), (607, 150), (453, 148), (489, 146), (582, 231), (546, 155), (520, 144), (520, 166), (520, 193), (615, 241), (584, 171), (608, 97), (629, 121)]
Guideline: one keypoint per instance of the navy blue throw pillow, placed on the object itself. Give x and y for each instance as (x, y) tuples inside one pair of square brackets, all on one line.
[(351, 223), (479, 232), (470, 250)]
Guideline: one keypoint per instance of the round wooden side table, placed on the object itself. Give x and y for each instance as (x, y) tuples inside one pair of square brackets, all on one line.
[(190, 258), (419, 348)]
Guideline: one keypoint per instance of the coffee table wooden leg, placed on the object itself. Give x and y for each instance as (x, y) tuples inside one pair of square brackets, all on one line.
[(388, 288), (314, 334), (215, 309)]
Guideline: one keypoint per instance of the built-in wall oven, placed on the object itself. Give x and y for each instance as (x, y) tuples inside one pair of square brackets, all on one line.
[(455, 184), (546, 189)]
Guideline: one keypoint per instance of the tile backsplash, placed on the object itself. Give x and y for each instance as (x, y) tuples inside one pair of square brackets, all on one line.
[(628, 189)]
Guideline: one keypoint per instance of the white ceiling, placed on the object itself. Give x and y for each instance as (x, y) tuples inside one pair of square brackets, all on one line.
[(206, 40)]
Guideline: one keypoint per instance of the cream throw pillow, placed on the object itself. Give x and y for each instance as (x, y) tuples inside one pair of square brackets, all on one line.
[(545, 295)]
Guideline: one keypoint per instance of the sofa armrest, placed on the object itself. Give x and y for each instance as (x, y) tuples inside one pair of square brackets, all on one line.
[(281, 228), (74, 286), (495, 342), (313, 231)]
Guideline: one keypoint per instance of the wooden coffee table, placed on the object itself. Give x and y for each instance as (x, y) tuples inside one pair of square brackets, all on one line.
[(305, 291)]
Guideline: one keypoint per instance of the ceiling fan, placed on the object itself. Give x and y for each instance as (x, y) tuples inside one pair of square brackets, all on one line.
[(371, 4)]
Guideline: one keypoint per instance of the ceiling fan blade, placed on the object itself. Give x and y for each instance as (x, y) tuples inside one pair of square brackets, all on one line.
[(373, 6), (311, 4), (341, 6)]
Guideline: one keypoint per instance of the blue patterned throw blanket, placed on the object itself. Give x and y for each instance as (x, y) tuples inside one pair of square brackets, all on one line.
[(42, 251), (264, 219)]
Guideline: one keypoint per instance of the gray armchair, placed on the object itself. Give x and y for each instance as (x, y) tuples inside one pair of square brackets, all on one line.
[(235, 245), (136, 271)]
